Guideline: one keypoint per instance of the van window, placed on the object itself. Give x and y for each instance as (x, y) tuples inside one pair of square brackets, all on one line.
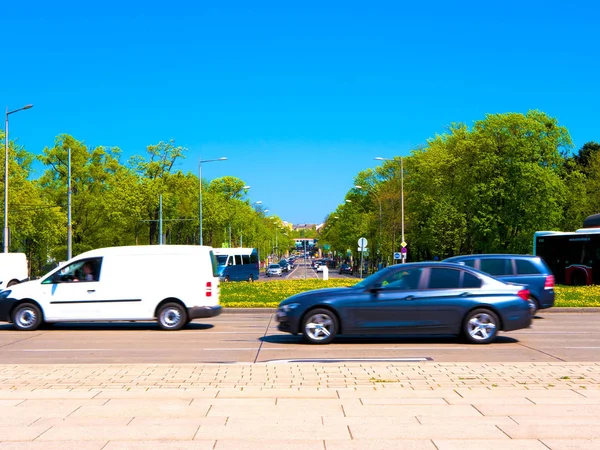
[(221, 259), (246, 259), (238, 260), (444, 278), (84, 270), (254, 258), (496, 266), (525, 267)]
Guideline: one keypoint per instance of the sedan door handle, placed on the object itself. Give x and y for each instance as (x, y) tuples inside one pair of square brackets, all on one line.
[(465, 294), (91, 290), (410, 297)]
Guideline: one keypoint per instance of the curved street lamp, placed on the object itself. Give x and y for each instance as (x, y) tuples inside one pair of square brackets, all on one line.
[(8, 113)]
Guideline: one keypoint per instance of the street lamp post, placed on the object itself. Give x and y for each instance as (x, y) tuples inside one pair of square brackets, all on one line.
[(8, 113), (379, 158), (200, 161)]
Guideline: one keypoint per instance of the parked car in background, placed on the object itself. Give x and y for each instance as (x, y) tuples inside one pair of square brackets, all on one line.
[(285, 266), (346, 268), (417, 298), (274, 270), (172, 284), (528, 270), (13, 269)]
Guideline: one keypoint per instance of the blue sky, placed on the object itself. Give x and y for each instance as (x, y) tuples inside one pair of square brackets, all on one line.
[(300, 96)]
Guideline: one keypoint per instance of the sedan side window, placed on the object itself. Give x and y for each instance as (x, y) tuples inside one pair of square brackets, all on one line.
[(471, 281), (402, 279), (440, 278)]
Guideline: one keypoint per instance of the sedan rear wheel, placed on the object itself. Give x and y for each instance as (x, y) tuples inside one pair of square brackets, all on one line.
[(319, 326), (481, 326)]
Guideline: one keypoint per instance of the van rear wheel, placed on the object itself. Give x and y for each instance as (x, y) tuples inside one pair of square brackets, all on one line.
[(12, 283), (172, 317)]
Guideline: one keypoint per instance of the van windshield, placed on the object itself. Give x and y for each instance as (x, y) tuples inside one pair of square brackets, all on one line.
[(222, 259)]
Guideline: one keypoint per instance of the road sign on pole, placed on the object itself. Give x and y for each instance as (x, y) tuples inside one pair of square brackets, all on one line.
[(362, 242), (397, 255)]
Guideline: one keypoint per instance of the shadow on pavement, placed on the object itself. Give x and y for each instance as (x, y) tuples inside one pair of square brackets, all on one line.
[(109, 326), (355, 339)]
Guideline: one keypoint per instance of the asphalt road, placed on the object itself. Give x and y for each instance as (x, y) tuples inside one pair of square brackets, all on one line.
[(247, 338), (302, 270)]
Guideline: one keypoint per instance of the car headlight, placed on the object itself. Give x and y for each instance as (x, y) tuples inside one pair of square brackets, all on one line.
[(289, 307), (5, 293)]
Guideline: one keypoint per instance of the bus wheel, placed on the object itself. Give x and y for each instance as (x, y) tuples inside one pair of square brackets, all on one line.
[(250, 279)]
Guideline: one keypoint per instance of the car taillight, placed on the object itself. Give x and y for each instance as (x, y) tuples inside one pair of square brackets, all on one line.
[(209, 288), (524, 294), (549, 282)]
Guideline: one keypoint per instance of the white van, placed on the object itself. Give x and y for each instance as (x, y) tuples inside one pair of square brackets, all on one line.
[(172, 284), (13, 269)]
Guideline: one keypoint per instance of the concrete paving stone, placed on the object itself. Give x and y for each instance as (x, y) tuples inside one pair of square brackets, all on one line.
[(274, 411), (403, 401), (570, 410), (241, 402), (29, 433), (13, 402), (47, 394), (543, 431), (83, 421), (590, 393), (461, 429), (571, 444), (312, 420), (372, 421), (483, 420), (133, 433), (380, 444), (310, 403), (411, 410), (176, 421), (273, 432), (158, 393), (395, 393), (517, 400), (564, 401), (262, 444), (566, 421), (277, 393), (159, 445), (159, 409), (496, 444), (37, 445)]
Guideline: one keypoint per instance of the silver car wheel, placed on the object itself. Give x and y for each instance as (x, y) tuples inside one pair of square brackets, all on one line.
[(319, 327), (170, 317), (481, 327), (26, 317)]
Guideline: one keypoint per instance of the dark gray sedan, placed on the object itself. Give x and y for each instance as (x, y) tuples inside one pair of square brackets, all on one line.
[(412, 299)]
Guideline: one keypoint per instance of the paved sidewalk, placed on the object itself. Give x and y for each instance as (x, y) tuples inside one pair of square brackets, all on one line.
[(305, 406)]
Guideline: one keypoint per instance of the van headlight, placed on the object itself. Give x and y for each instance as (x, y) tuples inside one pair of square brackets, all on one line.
[(5, 293), (289, 307)]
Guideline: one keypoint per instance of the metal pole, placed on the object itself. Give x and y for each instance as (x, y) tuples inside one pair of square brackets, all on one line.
[(200, 190), (361, 261), (160, 234), (69, 223), (230, 244), (6, 183), (402, 201)]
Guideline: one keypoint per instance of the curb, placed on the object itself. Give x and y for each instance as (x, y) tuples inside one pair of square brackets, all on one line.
[(593, 310)]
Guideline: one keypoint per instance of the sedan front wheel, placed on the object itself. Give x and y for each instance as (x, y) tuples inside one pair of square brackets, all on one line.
[(481, 326), (319, 326)]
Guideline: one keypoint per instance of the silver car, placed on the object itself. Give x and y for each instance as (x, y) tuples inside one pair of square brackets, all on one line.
[(274, 270)]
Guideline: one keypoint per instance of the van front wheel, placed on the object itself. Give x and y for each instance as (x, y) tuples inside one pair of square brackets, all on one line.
[(172, 317), (27, 317)]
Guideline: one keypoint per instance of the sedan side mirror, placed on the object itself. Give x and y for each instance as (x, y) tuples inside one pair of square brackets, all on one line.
[(376, 287)]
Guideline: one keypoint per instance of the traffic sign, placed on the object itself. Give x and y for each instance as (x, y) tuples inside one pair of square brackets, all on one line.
[(362, 242), (397, 255), (362, 249), (404, 250), (403, 244)]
